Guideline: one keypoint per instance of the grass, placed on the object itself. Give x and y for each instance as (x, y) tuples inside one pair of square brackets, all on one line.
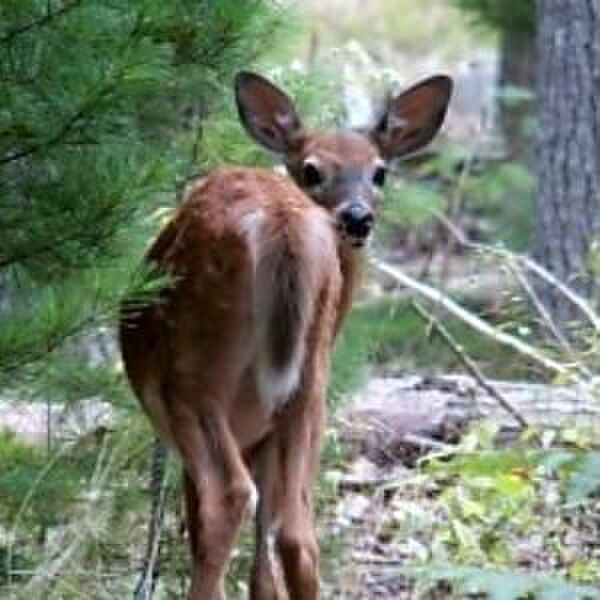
[(388, 333)]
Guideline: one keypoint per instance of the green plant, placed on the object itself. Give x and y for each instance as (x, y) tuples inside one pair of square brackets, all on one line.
[(504, 507), (502, 585), (503, 198), (103, 106), (95, 98), (517, 15)]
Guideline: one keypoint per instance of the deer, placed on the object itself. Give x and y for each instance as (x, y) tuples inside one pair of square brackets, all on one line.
[(231, 360)]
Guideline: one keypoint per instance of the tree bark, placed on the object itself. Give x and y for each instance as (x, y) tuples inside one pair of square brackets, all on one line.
[(568, 147)]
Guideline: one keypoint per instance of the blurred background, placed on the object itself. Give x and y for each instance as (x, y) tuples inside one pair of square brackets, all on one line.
[(461, 458)]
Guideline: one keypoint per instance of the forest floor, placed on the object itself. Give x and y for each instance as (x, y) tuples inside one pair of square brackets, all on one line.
[(398, 492), (391, 511), (422, 465)]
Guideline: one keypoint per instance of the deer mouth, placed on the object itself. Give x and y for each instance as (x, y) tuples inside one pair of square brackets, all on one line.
[(354, 241), (357, 242)]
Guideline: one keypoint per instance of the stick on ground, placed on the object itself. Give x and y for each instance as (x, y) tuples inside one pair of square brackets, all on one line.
[(469, 364)]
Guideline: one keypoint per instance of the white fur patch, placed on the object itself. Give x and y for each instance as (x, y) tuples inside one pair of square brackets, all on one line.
[(276, 387), (250, 227), (271, 536), (252, 502)]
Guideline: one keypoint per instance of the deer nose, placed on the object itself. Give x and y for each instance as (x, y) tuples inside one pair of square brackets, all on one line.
[(357, 219)]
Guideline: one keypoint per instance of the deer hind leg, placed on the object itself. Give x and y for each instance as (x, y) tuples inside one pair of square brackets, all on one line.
[(218, 491), (287, 549), (266, 581), (296, 540)]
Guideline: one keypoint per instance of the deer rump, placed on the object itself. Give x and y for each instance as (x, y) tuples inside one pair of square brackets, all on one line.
[(250, 278), (290, 259)]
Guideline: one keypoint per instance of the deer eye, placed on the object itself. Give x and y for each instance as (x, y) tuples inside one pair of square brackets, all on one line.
[(379, 176), (311, 176)]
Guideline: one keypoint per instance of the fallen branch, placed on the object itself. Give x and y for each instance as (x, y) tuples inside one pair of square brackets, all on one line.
[(469, 363), (431, 406), (455, 309), (537, 303), (530, 265)]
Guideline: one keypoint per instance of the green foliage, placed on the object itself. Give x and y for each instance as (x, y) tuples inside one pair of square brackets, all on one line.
[(84, 503), (349, 365), (503, 507), (103, 108), (96, 97), (503, 585), (514, 15), (501, 197), (47, 315), (584, 479), (417, 193), (388, 332), (68, 378), (504, 197), (34, 491), (411, 204)]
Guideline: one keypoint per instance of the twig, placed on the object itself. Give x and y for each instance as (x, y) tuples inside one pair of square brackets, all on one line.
[(445, 302), (426, 442), (374, 559), (147, 578), (530, 265), (544, 314), (469, 363), (81, 531)]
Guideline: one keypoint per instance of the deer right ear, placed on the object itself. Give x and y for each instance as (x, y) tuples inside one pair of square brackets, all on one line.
[(267, 113)]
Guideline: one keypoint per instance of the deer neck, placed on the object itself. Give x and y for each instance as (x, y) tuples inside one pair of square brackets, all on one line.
[(351, 267)]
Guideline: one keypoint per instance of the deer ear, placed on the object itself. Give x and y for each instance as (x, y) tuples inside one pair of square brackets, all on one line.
[(412, 119), (267, 113)]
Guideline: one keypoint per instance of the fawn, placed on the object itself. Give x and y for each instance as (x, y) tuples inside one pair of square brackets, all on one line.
[(231, 362)]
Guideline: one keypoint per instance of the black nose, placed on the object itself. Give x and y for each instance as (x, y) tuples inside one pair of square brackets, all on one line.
[(357, 220)]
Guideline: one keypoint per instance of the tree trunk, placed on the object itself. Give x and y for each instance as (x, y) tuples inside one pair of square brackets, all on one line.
[(568, 146)]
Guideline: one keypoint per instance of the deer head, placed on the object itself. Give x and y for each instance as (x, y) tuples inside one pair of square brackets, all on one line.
[(342, 171)]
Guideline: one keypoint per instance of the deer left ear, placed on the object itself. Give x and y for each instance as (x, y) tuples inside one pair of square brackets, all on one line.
[(412, 119)]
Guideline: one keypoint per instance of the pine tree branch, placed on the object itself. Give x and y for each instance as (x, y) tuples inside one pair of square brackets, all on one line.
[(52, 343), (48, 246), (41, 22), (87, 107)]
